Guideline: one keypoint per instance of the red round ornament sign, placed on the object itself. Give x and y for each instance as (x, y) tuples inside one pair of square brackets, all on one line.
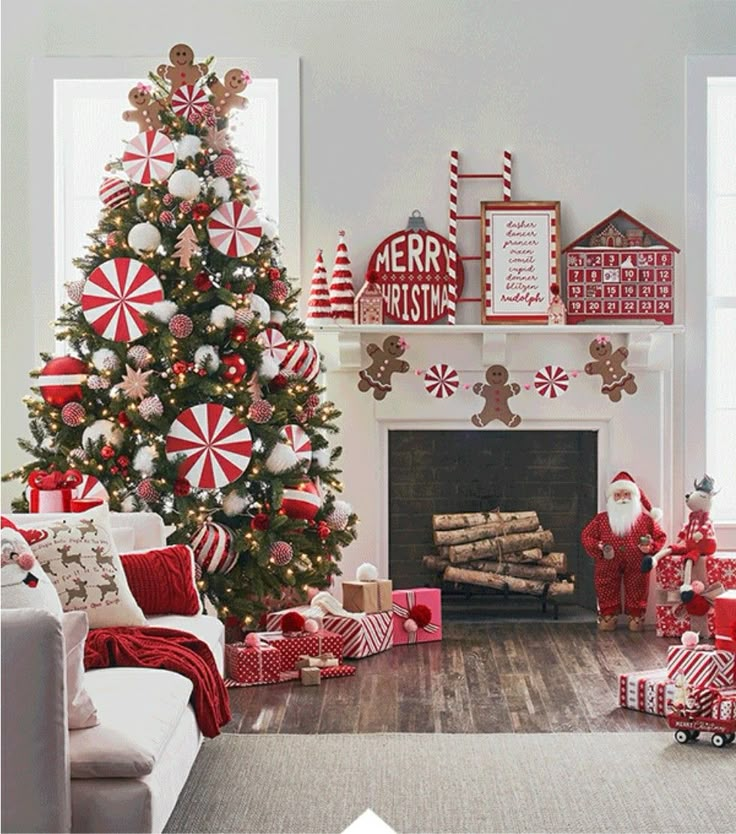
[(412, 267)]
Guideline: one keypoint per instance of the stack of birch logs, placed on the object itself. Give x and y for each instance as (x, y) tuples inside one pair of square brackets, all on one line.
[(504, 551)]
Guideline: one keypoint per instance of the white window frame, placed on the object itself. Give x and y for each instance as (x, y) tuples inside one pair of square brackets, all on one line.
[(45, 71), (699, 69)]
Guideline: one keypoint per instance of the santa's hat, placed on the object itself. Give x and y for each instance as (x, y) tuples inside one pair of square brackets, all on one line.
[(624, 481)]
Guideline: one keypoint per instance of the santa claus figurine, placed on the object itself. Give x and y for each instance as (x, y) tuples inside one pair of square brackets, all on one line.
[(616, 540)]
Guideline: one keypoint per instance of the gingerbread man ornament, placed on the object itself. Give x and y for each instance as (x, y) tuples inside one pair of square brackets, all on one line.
[(183, 70), (609, 365), (497, 391), (226, 91), (386, 362), (147, 109)]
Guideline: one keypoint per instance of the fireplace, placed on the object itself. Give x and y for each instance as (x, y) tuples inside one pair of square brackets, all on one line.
[(430, 472)]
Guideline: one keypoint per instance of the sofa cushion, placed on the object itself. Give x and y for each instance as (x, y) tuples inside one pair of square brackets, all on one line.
[(81, 711), (162, 579), (209, 629), (139, 710)]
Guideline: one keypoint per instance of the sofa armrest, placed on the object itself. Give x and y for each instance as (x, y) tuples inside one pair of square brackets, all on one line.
[(35, 739)]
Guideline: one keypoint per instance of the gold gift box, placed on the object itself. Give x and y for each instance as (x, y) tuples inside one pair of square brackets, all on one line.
[(367, 597)]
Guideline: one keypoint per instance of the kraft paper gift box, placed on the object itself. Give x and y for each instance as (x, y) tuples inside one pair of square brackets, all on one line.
[(251, 665), (291, 648), (725, 621), (702, 666), (649, 691), (309, 612), (721, 567), (367, 597), (363, 634), (404, 602)]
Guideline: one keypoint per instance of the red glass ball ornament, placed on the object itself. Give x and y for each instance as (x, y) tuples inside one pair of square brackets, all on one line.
[(179, 367), (123, 419), (260, 521), (421, 614), (239, 334), (123, 460), (66, 375), (201, 210), (202, 282), (182, 487), (323, 530), (107, 452), (274, 273), (279, 382), (234, 367)]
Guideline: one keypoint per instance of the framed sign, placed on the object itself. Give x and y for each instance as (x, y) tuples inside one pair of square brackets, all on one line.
[(520, 254)]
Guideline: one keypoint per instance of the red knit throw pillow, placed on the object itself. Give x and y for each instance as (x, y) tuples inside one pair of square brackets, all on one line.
[(162, 580)]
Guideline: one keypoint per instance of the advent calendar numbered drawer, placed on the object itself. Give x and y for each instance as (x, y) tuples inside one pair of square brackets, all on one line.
[(594, 259), (593, 276), (645, 259), (664, 275), (575, 291), (611, 308), (664, 258), (611, 259), (576, 275), (576, 307), (664, 290), (594, 291), (646, 290), (664, 307), (629, 308), (574, 259), (628, 290), (593, 307), (629, 274), (646, 307), (646, 274), (611, 290)]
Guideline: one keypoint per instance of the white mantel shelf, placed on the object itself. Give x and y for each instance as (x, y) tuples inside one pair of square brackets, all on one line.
[(649, 344)]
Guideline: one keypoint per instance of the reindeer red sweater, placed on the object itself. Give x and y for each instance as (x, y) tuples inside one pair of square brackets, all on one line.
[(691, 545)]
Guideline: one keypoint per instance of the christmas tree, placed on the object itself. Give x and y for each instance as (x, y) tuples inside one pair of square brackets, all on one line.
[(190, 385)]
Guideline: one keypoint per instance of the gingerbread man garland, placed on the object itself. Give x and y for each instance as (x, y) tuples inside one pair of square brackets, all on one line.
[(147, 109), (385, 363), (183, 70), (226, 92), (609, 365), (497, 391)]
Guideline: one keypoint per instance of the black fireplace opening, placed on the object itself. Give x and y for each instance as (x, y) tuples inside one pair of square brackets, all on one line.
[(553, 472)]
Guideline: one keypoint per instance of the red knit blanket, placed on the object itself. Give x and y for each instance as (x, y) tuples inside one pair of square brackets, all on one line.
[(165, 648)]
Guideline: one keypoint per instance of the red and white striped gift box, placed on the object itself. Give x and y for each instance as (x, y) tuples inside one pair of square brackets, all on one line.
[(363, 634), (702, 665), (248, 666), (724, 706), (649, 691)]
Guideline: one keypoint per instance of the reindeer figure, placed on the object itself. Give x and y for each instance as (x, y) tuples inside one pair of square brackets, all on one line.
[(102, 560), (86, 525), (58, 527), (109, 587), (67, 557), (80, 592)]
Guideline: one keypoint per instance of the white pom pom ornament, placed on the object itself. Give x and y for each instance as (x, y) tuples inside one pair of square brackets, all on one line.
[(164, 311), (269, 228), (281, 459), (234, 504), (187, 146), (206, 357), (144, 237), (221, 187), (105, 359), (268, 367), (105, 430), (366, 573), (260, 306), (184, 184), (143, 460), (222, 315)]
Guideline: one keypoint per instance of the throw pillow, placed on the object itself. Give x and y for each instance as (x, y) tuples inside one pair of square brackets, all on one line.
[(78, 552), (24, 582), (80, 707), (162, 580)]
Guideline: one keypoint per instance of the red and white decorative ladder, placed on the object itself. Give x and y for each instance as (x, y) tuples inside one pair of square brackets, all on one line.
[(454, 217)]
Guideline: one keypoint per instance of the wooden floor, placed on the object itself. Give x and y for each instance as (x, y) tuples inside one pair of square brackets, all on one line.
[(482, 678)]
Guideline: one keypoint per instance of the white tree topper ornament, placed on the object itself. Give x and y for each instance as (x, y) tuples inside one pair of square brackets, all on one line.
[(441, 380), (234, 229), (149, 156), (217, 445), (551, 381)]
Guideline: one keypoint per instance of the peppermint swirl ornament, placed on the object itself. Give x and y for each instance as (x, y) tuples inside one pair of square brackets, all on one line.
[(188, 102), (260, 411), (551, 381), (441, 381), (73, 414), (281, 553), (149, 156)]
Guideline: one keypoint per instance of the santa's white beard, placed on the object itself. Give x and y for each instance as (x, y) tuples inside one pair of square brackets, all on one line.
[(622, 515)]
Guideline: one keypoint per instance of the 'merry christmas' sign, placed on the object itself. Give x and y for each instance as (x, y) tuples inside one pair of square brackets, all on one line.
[(412, 269)]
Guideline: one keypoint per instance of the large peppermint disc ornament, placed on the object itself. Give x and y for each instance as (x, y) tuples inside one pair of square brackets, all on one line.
[(234, 229), (216, 444), (551, 381), (188, 101), (302, 360), (117, 295), (441, 381), (90, 488), (298, 439), (302, 500), (213, 548), (149, 156), (273, 343)]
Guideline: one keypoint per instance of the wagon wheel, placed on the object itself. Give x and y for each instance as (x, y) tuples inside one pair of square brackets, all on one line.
[(730, 738), (682, 736), (719, 740)]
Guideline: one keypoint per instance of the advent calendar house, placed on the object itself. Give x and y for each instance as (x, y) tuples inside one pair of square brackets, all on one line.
[(620, 269)]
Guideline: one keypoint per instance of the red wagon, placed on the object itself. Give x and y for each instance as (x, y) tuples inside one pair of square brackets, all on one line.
[(688, 727)]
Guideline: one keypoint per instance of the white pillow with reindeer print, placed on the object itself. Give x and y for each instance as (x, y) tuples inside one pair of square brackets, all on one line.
[(79, 556)]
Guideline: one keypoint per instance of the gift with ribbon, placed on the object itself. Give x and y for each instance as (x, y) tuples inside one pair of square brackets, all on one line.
[(650, 691), (362, 634), (702, 666), (721, 567), (417, 616), (309, 612), (725, 621), (251, 665), (292, 647), (51, 492), (674, 617), (724, 707), (367, 594)]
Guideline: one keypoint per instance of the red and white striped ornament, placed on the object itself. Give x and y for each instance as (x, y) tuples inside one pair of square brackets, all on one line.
[(213, 547), (146, 490), (302, 360), (114, 191), (254, 187), (149, 156), (441, 380), (302, 500), (319, 308), (73, 414), (98, 383), (150, 408), (225, 165), (551, 381), (140, 357), (298, 439), (507, 175), (188, 101), (61, 380), (216, 445), (116, 296), (342, 292), (452, 237), (281, 553), (234, 229), (261, 411), (274, 344), (90, 488), (166, 218), (181, 326)]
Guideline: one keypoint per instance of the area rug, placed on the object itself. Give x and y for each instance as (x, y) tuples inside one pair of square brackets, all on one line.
[(576, 782)]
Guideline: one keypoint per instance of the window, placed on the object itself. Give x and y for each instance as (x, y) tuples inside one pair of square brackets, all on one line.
[(78, 128)]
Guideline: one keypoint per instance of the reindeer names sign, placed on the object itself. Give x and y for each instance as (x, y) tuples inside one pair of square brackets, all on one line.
[(412, 268)]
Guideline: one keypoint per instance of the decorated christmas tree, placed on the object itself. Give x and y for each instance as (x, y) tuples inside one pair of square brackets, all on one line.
[(190, 386)]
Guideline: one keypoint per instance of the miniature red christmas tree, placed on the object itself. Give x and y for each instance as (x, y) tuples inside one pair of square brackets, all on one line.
[(342, 292), (319, 309)]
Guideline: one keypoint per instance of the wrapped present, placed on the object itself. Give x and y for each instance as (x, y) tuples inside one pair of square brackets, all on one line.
[(251, 666), (292, 647), (725, 621), (363, 634), (669, 572), (667, 624), (367, 597), (417, 616), (309, 612), (341, 671), (690, 701), (51, 492), (724, 705), (721, 567), (674, 617), (649, 691), (702, 666)]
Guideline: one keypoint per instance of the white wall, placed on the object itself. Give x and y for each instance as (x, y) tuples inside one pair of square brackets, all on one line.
[(589, 96)]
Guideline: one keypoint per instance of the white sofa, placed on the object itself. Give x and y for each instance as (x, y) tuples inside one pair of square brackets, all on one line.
[(125, 774)]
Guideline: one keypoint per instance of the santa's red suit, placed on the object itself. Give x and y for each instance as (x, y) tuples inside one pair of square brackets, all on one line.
[(688, 545)]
